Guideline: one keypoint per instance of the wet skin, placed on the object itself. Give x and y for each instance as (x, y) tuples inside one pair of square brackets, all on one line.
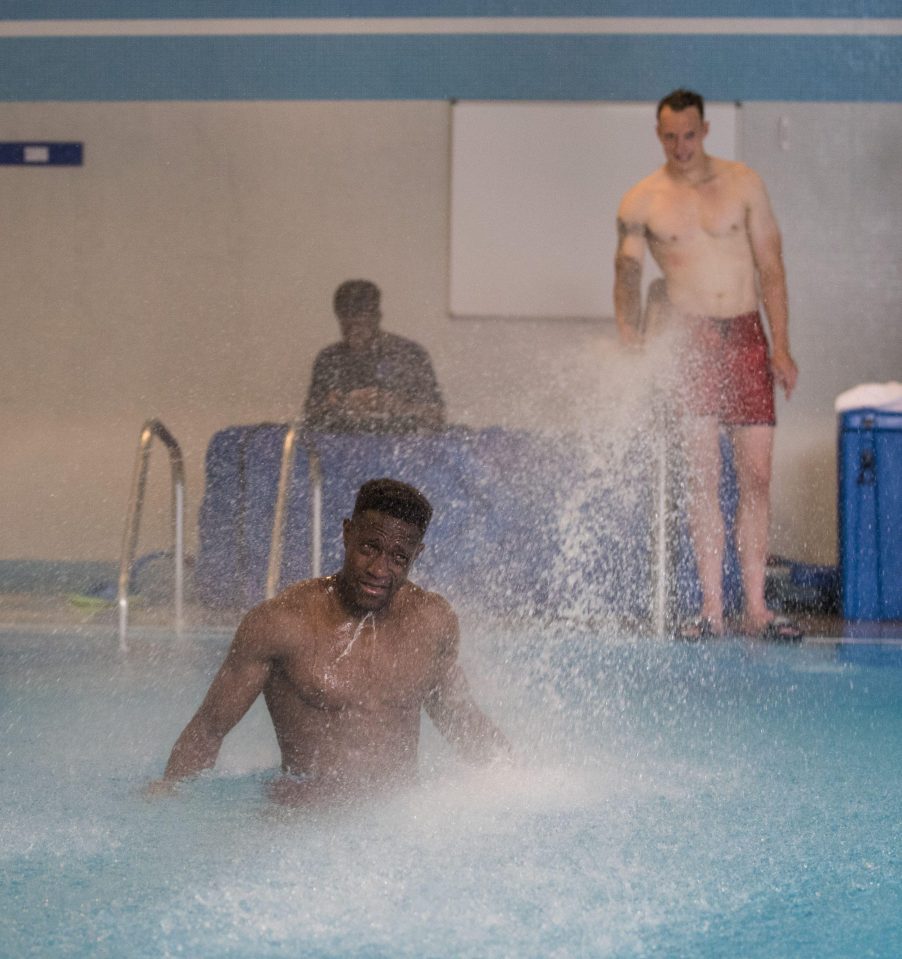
[(709, 226), (345, 664)]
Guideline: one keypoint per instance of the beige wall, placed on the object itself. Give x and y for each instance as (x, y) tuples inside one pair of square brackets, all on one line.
[(186, 270), (834, 176)]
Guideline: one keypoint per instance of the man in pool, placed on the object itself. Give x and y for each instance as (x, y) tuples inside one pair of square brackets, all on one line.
[(708, 224), (345, 663)]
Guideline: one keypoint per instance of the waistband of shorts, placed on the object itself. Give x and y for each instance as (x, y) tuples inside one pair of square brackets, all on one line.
[(751, 317)]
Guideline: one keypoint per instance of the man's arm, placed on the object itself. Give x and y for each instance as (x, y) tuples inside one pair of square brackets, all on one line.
[(767, 249), (422, 414), (240, 680), (415, 393), (631, 241), (457, 717), (324, 399)]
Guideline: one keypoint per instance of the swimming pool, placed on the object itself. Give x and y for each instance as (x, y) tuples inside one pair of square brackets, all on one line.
[(731, 799)]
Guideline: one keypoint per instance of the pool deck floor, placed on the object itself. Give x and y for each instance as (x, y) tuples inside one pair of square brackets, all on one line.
[(39, 612), (55, 611)]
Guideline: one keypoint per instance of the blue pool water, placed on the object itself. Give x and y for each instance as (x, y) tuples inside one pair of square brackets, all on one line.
[(702, 801)]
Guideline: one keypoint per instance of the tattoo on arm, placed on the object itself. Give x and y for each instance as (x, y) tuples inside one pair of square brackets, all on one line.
[(625, 229), (628, 271), (627, 291)]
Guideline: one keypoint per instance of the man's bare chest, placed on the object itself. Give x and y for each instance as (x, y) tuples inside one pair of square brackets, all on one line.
[(363, 666), (695, 214)]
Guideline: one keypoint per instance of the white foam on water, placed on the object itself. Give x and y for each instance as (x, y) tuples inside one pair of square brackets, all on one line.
[(659, 795), (472, 862), (43, 831)]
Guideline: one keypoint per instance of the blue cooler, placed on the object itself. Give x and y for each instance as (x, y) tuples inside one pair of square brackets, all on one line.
[(870, 513)]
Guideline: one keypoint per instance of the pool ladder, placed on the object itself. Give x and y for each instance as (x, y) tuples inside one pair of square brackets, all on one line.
[(661, 532), (150, 430), (296, 431), (662, 511)]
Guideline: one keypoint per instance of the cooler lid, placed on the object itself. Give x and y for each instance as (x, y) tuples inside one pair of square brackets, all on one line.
[(871, 419)]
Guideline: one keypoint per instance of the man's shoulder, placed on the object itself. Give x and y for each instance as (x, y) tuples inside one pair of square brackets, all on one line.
[(302, 596), (735, 171), (332, 352), (424, 602), (401, 344), (430, 617), (289, 610), (637, 197), (652, 181)]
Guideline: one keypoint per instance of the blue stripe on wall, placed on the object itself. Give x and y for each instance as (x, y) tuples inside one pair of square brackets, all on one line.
[(156, 9), (447, 67)]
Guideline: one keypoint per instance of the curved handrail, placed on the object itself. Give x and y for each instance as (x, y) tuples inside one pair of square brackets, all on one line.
[(150, 429), (315, 478)]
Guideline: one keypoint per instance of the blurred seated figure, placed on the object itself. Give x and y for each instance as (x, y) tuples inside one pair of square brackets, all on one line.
[(371, 381)]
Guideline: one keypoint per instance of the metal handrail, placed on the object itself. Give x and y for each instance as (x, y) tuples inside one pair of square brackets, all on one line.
[(151, 429), (315, 479), (662, 586)]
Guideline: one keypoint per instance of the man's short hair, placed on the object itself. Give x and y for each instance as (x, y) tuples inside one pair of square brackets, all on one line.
[(356, 298), (396, 499), (682, 99)]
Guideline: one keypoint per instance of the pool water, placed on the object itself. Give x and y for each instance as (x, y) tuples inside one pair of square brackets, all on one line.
[(731, 799)]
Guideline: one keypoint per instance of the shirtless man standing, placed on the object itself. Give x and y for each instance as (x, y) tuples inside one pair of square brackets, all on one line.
[(345, 663), (708, 224)]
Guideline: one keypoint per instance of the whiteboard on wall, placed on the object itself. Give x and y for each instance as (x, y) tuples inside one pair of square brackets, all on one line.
[(534, 194)]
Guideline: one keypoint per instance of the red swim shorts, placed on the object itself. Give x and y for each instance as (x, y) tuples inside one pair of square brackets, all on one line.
[(724, 371)]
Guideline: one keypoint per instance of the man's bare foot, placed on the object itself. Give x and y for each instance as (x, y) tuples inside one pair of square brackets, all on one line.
[(774, 629), (698, 629)]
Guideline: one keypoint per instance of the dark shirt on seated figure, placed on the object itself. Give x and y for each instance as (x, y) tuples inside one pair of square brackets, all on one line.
[(371, 381)]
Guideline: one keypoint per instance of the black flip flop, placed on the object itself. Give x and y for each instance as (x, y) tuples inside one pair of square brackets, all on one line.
[(781, 630), (696, 630)]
